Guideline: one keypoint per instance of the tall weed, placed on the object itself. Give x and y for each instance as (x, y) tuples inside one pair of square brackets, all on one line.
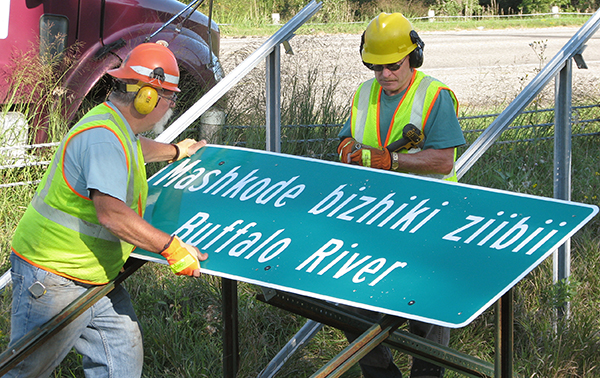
[(35, 92), (309, 100)]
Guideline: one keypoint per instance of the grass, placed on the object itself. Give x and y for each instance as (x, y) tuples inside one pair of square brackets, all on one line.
[(249, 28), (182, 318)]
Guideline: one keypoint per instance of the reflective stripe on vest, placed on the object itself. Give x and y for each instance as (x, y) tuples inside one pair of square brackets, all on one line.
[(414, 107), (60, 231), (68, 220), (71, 222), (60, 152)]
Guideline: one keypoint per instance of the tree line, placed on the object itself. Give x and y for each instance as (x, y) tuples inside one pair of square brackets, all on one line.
[(363, 10)]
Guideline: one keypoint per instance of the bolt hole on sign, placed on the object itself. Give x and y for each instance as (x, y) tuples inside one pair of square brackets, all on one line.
[(400, 244)]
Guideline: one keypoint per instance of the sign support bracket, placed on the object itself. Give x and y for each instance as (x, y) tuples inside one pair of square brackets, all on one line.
[(374, 336), (504, 336), (335, 316)]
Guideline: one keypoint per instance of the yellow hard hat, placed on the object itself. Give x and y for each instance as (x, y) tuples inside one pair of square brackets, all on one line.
[(387, 39)]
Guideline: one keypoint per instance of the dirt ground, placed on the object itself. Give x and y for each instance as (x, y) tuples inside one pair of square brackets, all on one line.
[(331, 57)]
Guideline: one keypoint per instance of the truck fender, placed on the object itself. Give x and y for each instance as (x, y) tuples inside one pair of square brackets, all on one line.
[(191, 51)]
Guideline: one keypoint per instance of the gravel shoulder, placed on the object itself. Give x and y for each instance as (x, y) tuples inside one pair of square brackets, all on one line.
[(483, 67)]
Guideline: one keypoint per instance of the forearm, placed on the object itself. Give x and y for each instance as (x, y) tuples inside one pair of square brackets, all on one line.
[(430, 161), (155, 151), (127, 225)]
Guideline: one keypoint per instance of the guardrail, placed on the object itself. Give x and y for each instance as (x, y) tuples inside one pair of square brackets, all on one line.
[(556, 13), (22, 160), (432, 17), (585, 122), (585, 117)]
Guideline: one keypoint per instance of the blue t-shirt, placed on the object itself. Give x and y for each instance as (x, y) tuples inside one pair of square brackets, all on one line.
[(95, 160), (442, 129)]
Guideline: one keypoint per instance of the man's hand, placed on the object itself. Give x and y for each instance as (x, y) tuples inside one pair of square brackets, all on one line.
[(371, 157), (183, 258), (157, 151), (345, 149), (187, 148), (352, 152), (193, 148)]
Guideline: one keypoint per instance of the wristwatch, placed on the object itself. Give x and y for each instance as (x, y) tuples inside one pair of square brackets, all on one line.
[(395, 162)]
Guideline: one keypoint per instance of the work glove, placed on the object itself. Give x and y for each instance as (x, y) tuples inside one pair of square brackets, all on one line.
[(182, 257), (182, 149), (346, 148), (371, 157)]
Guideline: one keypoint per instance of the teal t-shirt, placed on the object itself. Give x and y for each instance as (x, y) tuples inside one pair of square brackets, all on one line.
[(95, 159), (442, 129)]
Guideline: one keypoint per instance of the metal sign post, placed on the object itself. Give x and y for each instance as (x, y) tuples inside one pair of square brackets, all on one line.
[(562, 168)]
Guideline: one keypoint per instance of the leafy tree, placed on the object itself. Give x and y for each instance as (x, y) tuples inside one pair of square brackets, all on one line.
[(543, 6), (502, 6)]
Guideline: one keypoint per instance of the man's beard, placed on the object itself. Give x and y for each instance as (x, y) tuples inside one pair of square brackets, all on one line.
[(159, 126)]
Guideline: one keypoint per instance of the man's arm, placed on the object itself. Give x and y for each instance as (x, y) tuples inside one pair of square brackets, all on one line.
[(442, 132), (155, 151), (125, 224), (430, 161)]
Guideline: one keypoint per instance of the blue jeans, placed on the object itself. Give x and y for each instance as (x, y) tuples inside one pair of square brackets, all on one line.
[(107, 335)]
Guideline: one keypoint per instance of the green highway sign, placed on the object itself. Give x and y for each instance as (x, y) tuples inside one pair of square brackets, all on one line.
[(404, 245)]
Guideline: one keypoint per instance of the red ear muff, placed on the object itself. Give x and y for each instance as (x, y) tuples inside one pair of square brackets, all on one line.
[(145, 100)]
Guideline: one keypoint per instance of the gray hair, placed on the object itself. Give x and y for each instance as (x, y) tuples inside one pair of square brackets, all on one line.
[(120, 96)]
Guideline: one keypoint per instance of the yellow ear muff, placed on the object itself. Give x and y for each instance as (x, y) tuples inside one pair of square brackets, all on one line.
[(145, 100)]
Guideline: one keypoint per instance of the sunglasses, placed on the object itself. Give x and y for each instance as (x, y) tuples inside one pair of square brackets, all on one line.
[(171, 98), (380, 67)]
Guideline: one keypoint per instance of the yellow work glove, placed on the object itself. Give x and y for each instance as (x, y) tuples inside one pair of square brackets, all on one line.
[(182, 257), (371, 157), (346, 148), (182, 149)]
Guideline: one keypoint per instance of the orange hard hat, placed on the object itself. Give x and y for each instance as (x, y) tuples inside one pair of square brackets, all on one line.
[(151, 63)]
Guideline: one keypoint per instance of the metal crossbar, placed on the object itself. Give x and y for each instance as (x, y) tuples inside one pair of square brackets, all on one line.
[(370, 339), (572, 48), (335, 316)]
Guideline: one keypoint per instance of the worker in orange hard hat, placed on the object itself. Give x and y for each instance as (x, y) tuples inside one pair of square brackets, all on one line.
[(151, 72), (87, 216), (150, 63), (405, 121)]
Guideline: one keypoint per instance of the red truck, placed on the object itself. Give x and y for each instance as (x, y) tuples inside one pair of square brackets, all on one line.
[(104, 32)]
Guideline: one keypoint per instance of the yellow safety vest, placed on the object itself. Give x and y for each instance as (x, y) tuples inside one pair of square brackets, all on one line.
[(414, 107), (60, 231)]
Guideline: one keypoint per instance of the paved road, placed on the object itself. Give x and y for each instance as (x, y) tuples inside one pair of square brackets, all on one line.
[(482, 66), (503, 61)]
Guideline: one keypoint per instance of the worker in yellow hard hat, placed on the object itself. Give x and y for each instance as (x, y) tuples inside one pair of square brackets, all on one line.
[(405, 121), (87, 216)]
